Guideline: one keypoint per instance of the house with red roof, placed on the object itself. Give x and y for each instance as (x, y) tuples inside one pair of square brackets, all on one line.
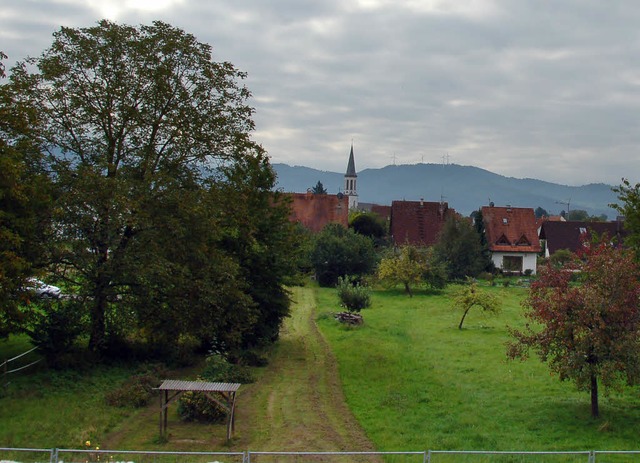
[(418, 222), (572, 234), (512, 237)]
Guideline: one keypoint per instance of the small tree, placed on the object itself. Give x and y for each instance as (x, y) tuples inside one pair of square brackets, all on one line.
[(471, 296), (589, 332), (561, 257), (540, 212), (353, 296), (405, 267), (319, 189)]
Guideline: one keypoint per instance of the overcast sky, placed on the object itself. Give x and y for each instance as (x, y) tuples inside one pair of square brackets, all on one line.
[(523, 88)]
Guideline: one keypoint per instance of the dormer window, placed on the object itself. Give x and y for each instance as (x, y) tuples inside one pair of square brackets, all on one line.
[(503, 241), (523, 241)]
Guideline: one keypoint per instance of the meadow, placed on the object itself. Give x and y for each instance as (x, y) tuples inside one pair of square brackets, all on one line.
[(415, 381)]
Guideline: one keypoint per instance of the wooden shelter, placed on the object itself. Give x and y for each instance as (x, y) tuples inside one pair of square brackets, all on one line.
[(224, 394)]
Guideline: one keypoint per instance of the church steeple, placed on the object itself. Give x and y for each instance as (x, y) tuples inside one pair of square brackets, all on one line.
[(350, 182)]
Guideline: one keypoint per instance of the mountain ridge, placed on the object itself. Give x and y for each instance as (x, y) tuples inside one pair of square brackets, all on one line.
[(464, 188)]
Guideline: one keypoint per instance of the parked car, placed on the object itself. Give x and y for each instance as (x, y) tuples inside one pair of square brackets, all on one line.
[(42, 289)]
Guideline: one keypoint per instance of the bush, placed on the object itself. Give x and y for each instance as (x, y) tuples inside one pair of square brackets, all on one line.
[(196, 406), (56, 328), (353, 296), (219, 369), (138, 390)]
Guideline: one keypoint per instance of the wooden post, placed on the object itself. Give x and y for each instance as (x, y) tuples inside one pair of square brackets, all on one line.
[(161, 414), (166, 410)]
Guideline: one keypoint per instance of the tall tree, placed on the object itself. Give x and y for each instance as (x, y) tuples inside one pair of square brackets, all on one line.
[(588, 333), (138, 122), (24, 205), (460, 248)]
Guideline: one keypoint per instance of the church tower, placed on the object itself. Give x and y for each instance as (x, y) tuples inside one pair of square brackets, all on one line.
[(350, 182)]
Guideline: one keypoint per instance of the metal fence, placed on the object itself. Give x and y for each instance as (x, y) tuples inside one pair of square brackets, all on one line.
[(29, 455)]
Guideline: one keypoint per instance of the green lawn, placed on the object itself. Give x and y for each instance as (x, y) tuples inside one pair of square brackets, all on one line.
[(414, 381), (49, 408)]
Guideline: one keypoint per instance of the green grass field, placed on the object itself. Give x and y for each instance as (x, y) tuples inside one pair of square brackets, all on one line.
[(414, 381)]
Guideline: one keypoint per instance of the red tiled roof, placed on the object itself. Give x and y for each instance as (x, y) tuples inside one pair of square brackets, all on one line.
[(316, 211), (418, 222), (511, 229), (383, 211)]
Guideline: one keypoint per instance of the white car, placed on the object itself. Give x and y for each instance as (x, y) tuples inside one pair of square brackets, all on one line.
[(42, 289)]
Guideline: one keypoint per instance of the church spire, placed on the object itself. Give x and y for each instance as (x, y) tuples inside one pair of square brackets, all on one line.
[(350, 182), (351, 167)]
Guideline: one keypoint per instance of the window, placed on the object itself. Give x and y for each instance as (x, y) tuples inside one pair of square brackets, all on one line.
[(512, 263)]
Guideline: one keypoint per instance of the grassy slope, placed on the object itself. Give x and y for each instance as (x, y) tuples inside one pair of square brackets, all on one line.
[(414, 381)]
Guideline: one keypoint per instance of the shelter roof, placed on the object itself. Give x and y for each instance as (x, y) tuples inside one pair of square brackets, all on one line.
[(201, 386)]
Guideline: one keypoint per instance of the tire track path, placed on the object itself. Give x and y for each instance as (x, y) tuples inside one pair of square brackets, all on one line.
[(298, 402)]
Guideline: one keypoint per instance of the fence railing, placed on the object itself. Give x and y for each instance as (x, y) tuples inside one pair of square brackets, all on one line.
[(4, 366), (35, 455)]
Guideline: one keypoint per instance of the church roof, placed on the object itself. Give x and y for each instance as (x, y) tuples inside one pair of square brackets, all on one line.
[(351, 167)]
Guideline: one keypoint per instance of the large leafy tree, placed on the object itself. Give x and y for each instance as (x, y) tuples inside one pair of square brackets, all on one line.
[(142, 127), (24, 206), (589, 332)]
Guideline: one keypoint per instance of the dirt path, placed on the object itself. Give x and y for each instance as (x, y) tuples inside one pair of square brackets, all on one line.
[(295, 405), (298, 403)]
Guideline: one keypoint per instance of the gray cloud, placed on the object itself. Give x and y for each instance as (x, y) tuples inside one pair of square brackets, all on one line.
[(527, 89)]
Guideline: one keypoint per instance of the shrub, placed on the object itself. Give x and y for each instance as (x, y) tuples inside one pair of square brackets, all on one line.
[(56, 328), (219, 369), (353, 296), (138, 390), (196, 406)]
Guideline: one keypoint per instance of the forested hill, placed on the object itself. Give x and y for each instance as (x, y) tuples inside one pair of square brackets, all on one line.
[(465, 188)]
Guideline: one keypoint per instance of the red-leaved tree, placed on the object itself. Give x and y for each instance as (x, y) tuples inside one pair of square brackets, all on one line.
[(588, 331)]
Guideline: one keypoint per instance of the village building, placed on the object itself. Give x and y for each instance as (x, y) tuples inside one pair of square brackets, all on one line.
[(572, 235), (314, 211), (512, 237), (418, 223)]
